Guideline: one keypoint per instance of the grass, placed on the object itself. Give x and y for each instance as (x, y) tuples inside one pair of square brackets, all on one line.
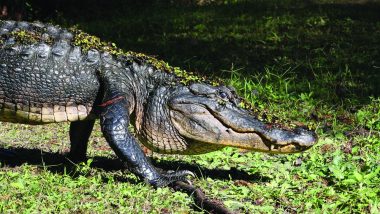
[(312, 63)]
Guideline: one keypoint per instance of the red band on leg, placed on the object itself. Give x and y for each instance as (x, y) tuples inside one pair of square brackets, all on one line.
[(111, 101)]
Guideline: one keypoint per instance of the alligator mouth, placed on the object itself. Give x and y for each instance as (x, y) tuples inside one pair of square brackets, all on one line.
[(227, 125)]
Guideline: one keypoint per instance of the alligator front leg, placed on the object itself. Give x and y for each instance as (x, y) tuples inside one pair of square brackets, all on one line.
[(114, 121)]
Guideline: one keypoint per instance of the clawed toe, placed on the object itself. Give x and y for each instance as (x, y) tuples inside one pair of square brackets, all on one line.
[(168, 178)]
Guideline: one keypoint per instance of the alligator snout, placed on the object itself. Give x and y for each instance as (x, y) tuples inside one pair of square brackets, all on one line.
[(304, 137), (286, 141)]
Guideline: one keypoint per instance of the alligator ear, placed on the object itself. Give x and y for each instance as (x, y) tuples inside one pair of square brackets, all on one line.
[(203, 89)]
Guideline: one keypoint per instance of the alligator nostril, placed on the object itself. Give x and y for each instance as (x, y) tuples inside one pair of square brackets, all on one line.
[(300, 130), (306, 138)]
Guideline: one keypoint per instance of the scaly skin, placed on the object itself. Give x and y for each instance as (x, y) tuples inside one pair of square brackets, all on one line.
[(49, 74)]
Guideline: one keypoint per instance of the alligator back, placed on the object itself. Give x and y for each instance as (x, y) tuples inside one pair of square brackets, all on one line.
[(43, 77)]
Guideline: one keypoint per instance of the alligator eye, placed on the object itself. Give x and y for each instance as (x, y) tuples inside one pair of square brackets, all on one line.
[(223, 95)]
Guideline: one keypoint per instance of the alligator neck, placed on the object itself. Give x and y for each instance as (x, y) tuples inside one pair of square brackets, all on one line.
[(138, 81)]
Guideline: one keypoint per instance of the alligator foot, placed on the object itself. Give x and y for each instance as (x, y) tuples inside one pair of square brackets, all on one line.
[(171, 177)]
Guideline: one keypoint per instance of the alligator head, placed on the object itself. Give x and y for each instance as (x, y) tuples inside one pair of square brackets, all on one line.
[(201, 118)]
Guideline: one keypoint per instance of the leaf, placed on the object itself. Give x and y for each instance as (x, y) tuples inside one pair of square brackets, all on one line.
[(372, 174), (358, 176), (349, 181), (337, 172), (18, 185)]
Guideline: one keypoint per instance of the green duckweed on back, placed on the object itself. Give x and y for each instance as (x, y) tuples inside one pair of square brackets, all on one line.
[(25, 37), (87, 42)]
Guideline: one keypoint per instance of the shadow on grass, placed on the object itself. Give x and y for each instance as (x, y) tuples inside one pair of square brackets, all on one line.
[(58, 163)]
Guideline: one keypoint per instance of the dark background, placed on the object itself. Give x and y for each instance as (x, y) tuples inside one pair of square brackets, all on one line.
[(315, 40)]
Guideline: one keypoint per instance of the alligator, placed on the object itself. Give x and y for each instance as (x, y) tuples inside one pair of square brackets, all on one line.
[(50, 74)]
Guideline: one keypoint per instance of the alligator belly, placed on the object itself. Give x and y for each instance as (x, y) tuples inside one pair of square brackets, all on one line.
[(19, 113), (44, 90)]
